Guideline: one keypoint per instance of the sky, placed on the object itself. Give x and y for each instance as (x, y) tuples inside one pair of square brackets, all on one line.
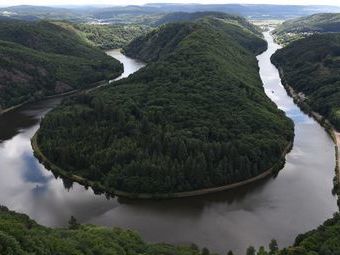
[(140, 2)]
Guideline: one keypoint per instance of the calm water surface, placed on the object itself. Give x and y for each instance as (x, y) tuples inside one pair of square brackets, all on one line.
[(297, 200)]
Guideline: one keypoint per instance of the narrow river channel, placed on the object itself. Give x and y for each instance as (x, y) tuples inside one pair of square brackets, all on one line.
[(297, 200)]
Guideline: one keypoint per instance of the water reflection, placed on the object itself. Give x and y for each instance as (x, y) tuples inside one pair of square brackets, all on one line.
[(280, 207)]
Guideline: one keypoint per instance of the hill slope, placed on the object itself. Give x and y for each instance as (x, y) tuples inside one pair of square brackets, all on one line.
[(41, 58), (292, 30), (312, 66), (195, 117), (111, 36), (164, 40)]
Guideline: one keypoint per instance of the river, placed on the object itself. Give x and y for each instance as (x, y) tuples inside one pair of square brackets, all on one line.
[(297, 200)]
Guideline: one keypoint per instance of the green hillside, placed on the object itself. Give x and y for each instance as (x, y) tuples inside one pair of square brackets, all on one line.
[(312, 66), (195, 117), (163, 40), (112, 36), (322, 241), (194, 16), (292, 30), (20, 235), (41, 58)]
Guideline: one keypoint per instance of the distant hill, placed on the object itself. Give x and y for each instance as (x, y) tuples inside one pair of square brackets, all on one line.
[(195, 117), (299, 28), (41, 58), (145, 48), (111, 36), (30, 12), (151, 13), (252, 11), (194, 16), (312, 66)]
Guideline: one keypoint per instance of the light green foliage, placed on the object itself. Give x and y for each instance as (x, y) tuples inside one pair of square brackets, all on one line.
[(111, 36)]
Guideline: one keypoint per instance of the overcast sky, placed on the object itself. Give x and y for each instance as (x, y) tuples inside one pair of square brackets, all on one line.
[(139, 2)]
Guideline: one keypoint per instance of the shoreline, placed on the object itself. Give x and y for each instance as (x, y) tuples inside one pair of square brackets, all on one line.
[(91, 87), (329, 128), (98, 187)]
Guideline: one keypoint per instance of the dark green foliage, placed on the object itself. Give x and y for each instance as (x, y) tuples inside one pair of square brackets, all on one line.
[(195, 117), (194, 16), (21, 236), (273, 246), (73, 224), (292, 30), (312, 66), (41, 58), (162, 41), (251, 251)]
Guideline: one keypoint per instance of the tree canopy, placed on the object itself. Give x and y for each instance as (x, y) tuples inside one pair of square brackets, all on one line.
[(195, 117), (41, 58)]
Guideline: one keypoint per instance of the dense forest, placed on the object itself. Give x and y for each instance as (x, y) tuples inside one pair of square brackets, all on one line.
[(20, 235), (41, 58), (292, 30), (195, 117), (312, 66), (106, 36), (194, 16)]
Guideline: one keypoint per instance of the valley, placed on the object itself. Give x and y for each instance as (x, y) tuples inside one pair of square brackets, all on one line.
[(39, 193)]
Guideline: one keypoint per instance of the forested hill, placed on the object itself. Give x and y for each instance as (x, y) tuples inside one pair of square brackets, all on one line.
[(312, 66), (291, 30), (195, 117), (165, 39), (106, 36), (41, 58), (194, 16)]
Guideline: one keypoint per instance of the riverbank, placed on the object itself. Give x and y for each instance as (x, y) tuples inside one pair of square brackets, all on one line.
[(299, 99), (89, 88), (99, 188)]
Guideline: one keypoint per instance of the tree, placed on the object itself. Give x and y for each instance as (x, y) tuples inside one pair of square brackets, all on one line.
[(273, 247), (205, 251), (230, 253), (251, 250), (72, 223), (262, 251)]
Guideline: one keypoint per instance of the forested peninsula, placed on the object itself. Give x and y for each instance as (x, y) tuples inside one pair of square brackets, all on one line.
[(40, 59), (195, 117), (311, 66)]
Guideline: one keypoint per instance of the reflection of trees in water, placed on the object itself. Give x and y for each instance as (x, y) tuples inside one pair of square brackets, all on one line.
[(68, 184)]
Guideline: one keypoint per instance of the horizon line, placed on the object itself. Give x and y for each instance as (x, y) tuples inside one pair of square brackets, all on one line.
[(165, 3)]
